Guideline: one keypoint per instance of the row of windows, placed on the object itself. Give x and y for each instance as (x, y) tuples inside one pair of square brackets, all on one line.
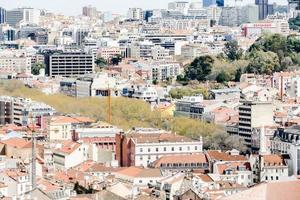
[(172, 149)]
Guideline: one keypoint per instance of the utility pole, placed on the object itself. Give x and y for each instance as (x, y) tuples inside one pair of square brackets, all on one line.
[(109, 112), (33, 153)]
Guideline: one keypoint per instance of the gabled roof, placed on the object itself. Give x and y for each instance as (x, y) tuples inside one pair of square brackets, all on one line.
[(276, 190), (17, 143), (221, 156), (70, 120), (69, 147), (139, 172), (194, 158)]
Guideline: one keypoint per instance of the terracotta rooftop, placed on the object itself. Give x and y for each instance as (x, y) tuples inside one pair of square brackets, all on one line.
[(194, 158), (235, 166), (139, 172), (69, 147), (221, 156), (14, 174), (158, 137), (276, 190), (205, 178), (66, 120), (17, 143), (273, 160)]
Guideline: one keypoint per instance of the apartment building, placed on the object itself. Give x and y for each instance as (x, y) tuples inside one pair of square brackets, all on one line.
[(269, 167), (108, 52), (62, 127), (69, 155), (18, 182), (287, 141), (140, 148), (69, 64), (15, 64), (21, 111), (254, 114), (163, 71)]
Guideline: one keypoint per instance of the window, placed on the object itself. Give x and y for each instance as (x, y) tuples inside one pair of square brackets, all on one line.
[(140, 181), (156, 149), (266, 178), (242, 177), (141, 149), (188, 148), (272, 178), (141, 157), (180, 148), (196, 148), (149, 150), (172, 149), (277, 178), (165, 148)]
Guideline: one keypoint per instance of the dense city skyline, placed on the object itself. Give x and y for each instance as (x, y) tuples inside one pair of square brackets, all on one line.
[(112, 5)]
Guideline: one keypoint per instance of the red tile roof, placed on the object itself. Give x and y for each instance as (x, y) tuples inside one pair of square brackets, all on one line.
[(17, 143), (221, 156), (194, 158)]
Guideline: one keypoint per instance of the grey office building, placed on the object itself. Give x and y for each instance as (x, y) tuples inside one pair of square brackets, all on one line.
[(73, 64), (13, 17), (2, 15)]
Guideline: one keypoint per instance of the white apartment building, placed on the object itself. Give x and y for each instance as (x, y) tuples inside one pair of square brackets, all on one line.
[(135, 14), (293, 87), (162, 71), (61, 127), (18, 183), (145, 92), (269, 167), (147, 151), (108, 52), (287, 141), (69, 155), (160, 53), (271, 26), (15, 65), (191, 51), (254, 114)]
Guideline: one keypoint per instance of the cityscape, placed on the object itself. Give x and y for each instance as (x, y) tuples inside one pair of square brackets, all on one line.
[(150, 100)]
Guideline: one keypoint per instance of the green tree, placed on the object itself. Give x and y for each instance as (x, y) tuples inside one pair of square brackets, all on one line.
[(238, 75), (115, 60), (223, 77), (200, 68), (293, 44), (232, 50), (100, 62), (221, 140), (263, 63), (36, 67), (295, 23)]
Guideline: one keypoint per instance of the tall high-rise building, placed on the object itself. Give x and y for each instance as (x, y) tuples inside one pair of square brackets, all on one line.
[(135, 14), (15, 16), (294, 8), (253, 114), (207, 3), (89, 11), (25, 15), (2, 15), (264, 9)]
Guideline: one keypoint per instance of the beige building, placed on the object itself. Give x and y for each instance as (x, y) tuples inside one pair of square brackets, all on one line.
[(61, 127), (254, 114)]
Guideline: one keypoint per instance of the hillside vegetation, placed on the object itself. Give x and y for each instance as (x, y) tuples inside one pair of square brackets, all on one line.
[(126, 113)]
